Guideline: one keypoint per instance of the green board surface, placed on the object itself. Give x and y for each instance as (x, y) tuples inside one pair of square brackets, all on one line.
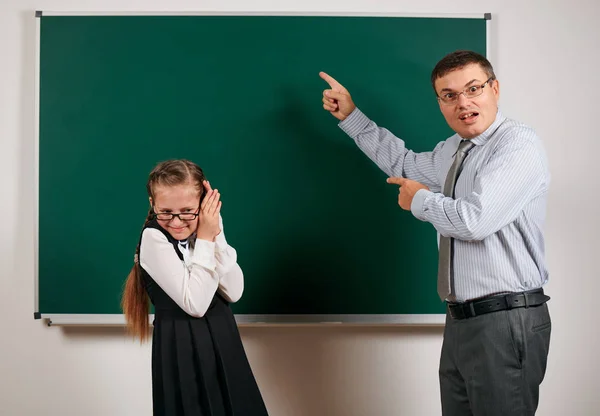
[(317, 229)]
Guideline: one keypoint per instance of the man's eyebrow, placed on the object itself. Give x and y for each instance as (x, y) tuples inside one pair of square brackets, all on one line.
[(466, 85), (472, 81)]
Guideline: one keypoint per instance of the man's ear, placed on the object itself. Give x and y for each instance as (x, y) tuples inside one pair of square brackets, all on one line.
[(496, 89), (150, 200)]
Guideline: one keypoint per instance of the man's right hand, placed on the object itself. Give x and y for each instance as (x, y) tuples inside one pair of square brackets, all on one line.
[(337, 100)]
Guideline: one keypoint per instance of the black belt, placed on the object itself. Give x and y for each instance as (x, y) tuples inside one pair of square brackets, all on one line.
[(497, 303)]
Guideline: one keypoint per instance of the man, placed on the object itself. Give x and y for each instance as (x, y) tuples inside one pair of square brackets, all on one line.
[(484, 189)]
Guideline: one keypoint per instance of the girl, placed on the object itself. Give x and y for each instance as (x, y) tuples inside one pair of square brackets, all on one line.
[(184, 265)]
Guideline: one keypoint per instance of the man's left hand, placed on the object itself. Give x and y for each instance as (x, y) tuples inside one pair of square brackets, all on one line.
[(407, 191)]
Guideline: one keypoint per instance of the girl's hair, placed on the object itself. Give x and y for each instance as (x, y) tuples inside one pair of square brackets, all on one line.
[(135, 302)]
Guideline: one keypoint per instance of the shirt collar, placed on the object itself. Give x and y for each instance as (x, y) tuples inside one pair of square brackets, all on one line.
[(487, 134)]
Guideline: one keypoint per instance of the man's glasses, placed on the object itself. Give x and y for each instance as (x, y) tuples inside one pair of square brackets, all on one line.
[(469, 92), (183, 216)]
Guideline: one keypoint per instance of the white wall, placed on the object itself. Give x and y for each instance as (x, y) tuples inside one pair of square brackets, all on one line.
[(546, 59)]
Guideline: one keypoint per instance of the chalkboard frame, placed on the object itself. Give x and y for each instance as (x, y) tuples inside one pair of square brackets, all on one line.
[(242, 319)]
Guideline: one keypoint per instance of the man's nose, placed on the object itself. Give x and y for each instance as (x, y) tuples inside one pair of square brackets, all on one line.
[(176, 221), (462, 100)]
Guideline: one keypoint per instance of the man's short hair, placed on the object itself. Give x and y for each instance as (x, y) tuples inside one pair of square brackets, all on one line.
[(460, 59)]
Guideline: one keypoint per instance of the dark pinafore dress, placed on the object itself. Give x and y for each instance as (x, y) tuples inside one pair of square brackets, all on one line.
[(199, 366)]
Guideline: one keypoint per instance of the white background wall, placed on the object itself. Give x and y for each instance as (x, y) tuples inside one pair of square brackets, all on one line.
[(546, 57)]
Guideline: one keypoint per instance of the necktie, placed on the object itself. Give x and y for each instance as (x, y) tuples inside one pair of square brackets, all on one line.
[(445, 278)]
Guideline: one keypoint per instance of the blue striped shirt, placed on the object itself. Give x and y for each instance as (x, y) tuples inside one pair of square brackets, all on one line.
[(497, 215)]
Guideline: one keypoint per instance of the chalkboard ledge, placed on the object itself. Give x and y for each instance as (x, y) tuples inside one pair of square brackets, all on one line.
[(263, 320)]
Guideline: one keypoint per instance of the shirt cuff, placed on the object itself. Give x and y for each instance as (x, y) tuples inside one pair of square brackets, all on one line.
[(204, 254), (354, 123), (221, 242), (417, 207)]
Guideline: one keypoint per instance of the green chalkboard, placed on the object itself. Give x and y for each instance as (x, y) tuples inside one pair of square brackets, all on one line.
[(317, 229)]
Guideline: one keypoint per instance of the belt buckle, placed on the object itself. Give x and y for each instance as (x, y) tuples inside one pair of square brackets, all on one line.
[(457, 311), (463, 310)]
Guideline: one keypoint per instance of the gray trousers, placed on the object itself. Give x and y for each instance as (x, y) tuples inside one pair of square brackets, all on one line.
[(493, 364)]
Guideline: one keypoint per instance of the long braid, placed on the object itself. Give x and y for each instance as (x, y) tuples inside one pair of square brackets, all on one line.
[(136, 258), (135, 302)]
